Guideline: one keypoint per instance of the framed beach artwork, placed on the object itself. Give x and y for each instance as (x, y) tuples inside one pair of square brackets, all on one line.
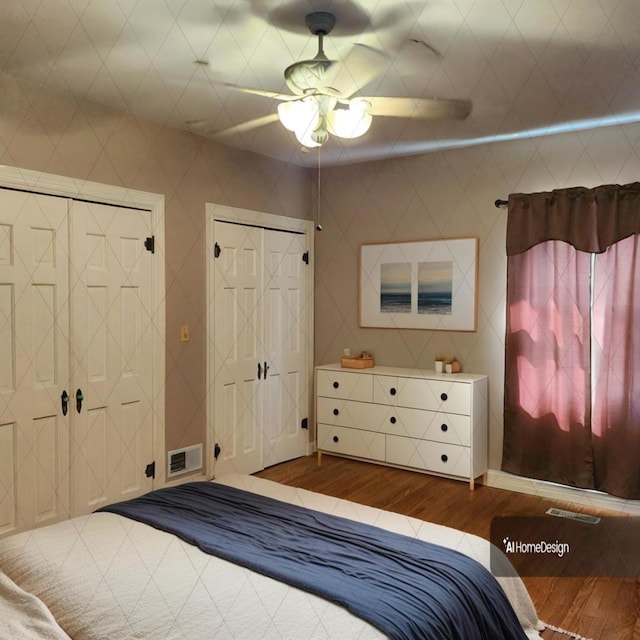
[(429, 284)]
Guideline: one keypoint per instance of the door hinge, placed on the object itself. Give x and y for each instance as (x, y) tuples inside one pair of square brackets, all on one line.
[(305, 423), (216, 250), (150, 471), (305, 257), (150, 244), (216, 451)]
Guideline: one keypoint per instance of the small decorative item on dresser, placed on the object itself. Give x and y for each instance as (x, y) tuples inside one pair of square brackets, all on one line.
[(439, 364), (452, 366), (363, 361)]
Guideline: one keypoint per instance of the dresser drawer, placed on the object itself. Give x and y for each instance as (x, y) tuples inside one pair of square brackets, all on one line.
[(345, 385), (448, 459), (429, 425), (347, 413), (444, 395), (351, 442)]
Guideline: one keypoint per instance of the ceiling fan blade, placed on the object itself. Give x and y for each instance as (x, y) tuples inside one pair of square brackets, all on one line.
[(426, 108), (362, 65), (274, 95), (246, 126)]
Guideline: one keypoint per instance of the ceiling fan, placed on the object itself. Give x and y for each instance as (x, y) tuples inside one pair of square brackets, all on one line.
[(325, 100)]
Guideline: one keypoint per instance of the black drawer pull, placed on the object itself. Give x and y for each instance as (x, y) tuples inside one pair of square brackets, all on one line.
[(335, 438), (336, 412), (444, 457), (392, 420), (393, 391), (444, 427), (443, 397), (336, 384)]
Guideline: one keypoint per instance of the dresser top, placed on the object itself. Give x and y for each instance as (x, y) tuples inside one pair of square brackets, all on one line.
[(405, 372)]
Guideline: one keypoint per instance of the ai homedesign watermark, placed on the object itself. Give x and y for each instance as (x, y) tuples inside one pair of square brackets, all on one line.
[(556, 548)]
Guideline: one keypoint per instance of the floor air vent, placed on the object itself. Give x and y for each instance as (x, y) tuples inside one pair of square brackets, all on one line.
[(184, 460), (572, 515)]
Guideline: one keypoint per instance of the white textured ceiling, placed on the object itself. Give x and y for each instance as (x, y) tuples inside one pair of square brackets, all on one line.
[(530, 67)]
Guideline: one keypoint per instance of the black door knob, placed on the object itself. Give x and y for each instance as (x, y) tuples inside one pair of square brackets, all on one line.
[(64, 401)]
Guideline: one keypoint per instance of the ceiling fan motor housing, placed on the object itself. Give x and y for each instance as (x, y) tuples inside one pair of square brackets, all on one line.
[(320, 22)]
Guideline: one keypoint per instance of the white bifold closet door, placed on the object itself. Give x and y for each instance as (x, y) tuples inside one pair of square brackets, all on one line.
[(261, 344), (75, 359), (34, 360), (111, 303)]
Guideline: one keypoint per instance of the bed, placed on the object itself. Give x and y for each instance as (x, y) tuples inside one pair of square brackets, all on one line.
[(106, 576)]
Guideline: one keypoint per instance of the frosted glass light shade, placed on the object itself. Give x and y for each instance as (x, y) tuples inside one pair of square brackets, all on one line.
[(351, 122), (298, 115)]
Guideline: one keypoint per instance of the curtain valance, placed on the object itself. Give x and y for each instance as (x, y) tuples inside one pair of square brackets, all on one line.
[(589, 219)]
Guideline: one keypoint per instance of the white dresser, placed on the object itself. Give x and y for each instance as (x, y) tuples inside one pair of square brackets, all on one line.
[(421, 420)]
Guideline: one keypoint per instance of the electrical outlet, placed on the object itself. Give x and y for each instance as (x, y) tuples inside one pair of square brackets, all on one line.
[(347, 352)]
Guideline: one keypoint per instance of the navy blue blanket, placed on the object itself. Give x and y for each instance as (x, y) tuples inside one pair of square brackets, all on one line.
[(407, 588)]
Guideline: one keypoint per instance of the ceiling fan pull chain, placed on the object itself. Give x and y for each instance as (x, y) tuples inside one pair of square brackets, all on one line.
[(318, 225)]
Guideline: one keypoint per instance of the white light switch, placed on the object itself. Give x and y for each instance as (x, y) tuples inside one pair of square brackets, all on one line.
[(184, 333)]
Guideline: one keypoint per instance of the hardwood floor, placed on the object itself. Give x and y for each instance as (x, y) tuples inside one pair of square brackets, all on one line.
[(597, 608)]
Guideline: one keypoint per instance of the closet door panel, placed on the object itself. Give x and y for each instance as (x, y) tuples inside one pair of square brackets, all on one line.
[(237, 343), (285, 346), (111, 302), (34, 367)]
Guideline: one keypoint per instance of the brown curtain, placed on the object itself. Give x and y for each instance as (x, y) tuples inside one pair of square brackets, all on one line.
[(554, 241), (616, 394), (547, 399), (589, 219)]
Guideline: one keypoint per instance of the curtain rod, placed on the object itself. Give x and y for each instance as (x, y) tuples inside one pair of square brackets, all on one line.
[(501, 203)]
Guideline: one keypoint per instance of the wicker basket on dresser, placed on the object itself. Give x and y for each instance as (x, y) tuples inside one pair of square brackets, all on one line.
[(417, 419)]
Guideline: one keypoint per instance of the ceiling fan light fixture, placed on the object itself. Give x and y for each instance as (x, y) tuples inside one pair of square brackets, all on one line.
[(303, 118), (307, 118), (352, 122), (298, 115)]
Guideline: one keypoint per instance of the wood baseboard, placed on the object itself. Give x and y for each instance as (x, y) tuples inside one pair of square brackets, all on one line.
[(542, 489)]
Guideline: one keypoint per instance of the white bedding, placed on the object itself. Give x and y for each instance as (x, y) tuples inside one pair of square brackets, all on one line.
[(103, 576), (25, 617)]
